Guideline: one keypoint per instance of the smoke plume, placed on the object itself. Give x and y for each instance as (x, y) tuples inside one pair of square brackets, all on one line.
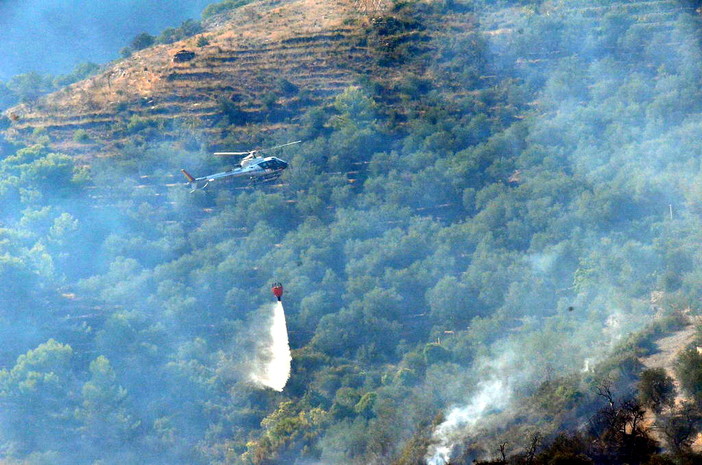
[(493, 393), (273, 369)]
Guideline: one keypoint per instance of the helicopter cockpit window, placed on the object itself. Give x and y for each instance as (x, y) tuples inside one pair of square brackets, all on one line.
[(272, 165)]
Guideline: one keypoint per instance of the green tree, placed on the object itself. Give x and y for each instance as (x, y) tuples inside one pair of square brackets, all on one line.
[(187, 29), (80, 72), (142, 41), (688, 368), (680, 426), (53, 173), (222, 7), (355, 108), (452, 303), (656, 389), (102, 413), (30, 86), (38, 393)]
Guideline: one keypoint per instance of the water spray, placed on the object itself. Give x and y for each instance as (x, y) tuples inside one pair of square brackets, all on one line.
[(274, 371)]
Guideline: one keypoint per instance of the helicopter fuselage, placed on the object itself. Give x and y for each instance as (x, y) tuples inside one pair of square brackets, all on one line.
[(254, 170)]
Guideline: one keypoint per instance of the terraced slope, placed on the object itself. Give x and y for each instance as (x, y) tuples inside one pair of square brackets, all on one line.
[(267, 59), (261, 68)]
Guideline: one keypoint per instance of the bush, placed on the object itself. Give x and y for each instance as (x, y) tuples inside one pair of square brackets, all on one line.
[(80, 72), (142, 41), (232, 112), (222, 7), (286, 87), (435, 353), (656, 389), (139, 123), (688, 368), (187, 29), (30, 86), (81, 135)]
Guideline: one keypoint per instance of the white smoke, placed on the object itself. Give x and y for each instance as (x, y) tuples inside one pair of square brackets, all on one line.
[(273, 368), (503, 375), (613, 326), (493, 394)]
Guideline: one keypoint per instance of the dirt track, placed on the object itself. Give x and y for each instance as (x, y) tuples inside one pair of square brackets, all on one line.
[(668, 349)]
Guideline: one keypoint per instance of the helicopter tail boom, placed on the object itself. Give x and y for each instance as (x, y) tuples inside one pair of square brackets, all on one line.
[(188, 176)]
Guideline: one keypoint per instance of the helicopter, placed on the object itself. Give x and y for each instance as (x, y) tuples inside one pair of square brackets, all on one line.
[(253, 166)]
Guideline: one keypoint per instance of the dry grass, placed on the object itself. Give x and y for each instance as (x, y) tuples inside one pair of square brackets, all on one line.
[(246, 54)]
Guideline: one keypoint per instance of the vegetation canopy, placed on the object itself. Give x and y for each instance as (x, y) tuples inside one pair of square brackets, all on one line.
[(489, 239)]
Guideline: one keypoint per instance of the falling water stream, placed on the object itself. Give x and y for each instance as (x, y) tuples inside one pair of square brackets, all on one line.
[(274, 370)]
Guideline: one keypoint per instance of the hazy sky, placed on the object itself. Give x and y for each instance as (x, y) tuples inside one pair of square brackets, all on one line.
[(52, 36)]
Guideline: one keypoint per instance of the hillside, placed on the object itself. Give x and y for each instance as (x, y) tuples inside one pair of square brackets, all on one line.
[(261, 66), (491, 221), (666, 355), (264, 64)]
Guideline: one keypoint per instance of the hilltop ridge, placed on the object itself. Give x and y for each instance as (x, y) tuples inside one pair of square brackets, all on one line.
[(261, 65)]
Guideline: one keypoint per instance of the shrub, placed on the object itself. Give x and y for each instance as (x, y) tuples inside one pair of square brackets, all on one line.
[(142, 41), (222, 7), (81, 135), (286, 87), (688, 368), (656, 389), (187, 29), (139, 123), (232, 112)]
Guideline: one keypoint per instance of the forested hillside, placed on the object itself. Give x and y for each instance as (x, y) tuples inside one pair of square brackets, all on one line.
[(493, 216)]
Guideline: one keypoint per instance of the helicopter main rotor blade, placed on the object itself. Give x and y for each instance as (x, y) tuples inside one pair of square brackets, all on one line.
[(234, 154), (251, 152), (279, 146)]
